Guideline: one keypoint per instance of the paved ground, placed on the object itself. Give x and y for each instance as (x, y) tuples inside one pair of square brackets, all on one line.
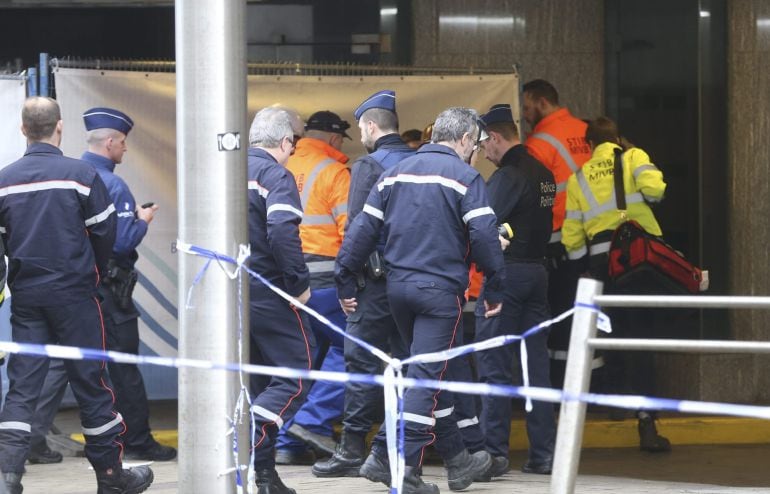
[(688, 469), (699, 469)]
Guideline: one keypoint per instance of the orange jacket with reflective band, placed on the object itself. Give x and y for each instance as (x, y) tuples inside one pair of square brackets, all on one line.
[(475, 280), (558, 141), (323, 182)]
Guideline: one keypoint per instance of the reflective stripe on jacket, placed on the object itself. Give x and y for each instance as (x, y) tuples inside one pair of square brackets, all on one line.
[(558, 142), (591, 203), (323, 182)]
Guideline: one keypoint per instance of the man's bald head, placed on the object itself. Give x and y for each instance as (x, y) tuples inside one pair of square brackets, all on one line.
[(40, 118)]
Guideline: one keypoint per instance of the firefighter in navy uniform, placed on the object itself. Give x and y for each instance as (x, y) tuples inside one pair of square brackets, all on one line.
[(372, 321), (521, 192), (434, 212), (280, 334), (58, 227), (106, 133)]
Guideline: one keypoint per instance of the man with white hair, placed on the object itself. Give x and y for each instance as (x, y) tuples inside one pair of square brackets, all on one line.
[(435, 215), (280, 333)]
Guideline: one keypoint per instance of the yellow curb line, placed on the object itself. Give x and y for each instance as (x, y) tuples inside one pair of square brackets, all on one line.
[(618, 434)]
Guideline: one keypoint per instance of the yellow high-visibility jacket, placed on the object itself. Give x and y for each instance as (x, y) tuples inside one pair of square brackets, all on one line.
[(591, 206)]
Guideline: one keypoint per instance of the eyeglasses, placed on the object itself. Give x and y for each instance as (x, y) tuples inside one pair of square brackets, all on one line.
[(483, 136)]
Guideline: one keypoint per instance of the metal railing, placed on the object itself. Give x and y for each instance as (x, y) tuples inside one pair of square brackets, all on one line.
[(279, 68), (583, 342)]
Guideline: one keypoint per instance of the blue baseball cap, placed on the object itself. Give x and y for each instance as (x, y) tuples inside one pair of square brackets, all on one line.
[(107, 118), (497, 114), (385, 99)]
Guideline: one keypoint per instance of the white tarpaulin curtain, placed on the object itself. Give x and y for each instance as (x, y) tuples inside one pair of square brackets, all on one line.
[(13, 90), (149, 166)]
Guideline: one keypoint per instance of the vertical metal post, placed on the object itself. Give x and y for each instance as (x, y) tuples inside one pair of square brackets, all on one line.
[(32, 81), (577, 378), (212, 202), (44, 75)]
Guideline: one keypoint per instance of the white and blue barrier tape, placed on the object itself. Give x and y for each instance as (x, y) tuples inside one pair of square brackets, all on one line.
[(392, 380)]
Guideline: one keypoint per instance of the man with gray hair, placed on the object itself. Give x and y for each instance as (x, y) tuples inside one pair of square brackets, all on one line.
[(280, 333), (434, 211)]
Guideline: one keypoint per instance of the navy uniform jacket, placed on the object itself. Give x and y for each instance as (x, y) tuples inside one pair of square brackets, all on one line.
[(388, 151), (275, 212), (131, 230), (522, 192), (58, 225), (434, 211)]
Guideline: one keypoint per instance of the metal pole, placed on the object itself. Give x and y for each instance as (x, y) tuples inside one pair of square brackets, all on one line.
[(577, 378), (44, 74), (32, 81), (690, 346), (678, 301), (211, 181)]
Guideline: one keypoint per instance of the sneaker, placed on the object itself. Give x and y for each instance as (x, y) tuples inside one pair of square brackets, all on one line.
[(500, 466), (292, 457), (320, 443), (44, 455), (156, 452), (540, 468), (121, 480)]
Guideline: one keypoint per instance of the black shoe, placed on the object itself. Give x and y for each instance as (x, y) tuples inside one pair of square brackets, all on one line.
[(13, 483), (500, 466), (541, 468), (649, 439), (413, 484), (347, 459), (268, 482), (465, 467), (119, 480), (289, 457), (44, 455), (324, 445), (376, 469), (156, 452)]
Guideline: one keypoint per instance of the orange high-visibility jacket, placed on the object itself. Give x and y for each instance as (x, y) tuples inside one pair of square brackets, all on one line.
[(558, 141), (323, 182)]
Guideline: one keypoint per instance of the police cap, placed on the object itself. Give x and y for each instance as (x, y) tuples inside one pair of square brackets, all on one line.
[(497, 114), (107, 118), (385, 99)]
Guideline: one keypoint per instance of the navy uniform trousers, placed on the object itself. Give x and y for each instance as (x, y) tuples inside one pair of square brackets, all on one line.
[(280, 336), (130, 394), (373, 323), (525, 305), (79, 325), (431, 319)]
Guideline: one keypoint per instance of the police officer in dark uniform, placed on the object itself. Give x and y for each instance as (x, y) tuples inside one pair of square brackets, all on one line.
[(107, 130), (58, 225), (434, 212), (521, 192), (280, 334), (372, 320)]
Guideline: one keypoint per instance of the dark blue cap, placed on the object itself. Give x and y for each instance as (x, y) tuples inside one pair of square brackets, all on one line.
[(497, 114), (328, 122), (107, 118), (385, 99)]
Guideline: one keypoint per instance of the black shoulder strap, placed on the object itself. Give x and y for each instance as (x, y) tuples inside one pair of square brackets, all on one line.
[(620, 191)]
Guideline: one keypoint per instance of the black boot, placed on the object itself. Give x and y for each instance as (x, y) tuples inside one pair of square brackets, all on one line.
[(268, 482), (347, 459), (463, 468), (649, 439), (119, 480), (376, 468), (413, 484), (13, 483)]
